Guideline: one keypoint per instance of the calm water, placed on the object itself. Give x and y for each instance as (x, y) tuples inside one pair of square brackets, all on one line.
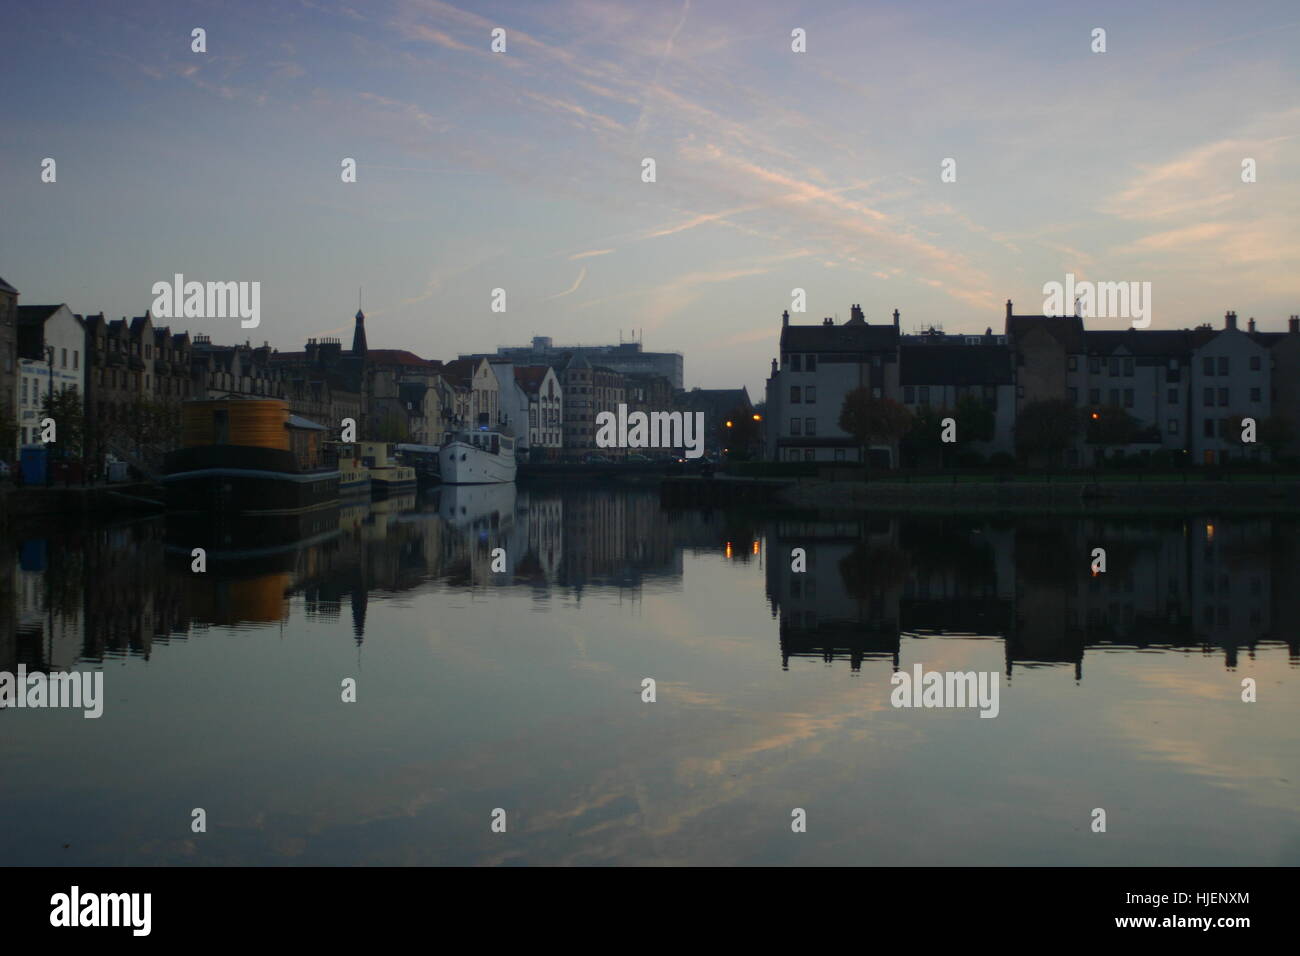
[(522, 690)]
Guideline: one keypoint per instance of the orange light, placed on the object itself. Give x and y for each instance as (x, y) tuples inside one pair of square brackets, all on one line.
[(728, 552), (1095, 415), (756, 547), (1209, 532), (728, 424), (758, 418)]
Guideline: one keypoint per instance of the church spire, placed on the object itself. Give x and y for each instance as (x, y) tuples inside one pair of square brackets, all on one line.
[(359, 335)]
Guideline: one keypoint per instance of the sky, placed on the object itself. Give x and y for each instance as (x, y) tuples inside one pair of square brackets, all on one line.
[(774, 169)]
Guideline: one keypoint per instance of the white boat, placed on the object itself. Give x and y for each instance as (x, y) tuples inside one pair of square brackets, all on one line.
[(477, 458)]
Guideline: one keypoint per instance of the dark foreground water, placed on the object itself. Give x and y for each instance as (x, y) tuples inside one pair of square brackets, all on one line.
[(522, 690)]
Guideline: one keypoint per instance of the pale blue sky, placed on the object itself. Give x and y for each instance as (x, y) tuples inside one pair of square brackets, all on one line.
[(775, 169)]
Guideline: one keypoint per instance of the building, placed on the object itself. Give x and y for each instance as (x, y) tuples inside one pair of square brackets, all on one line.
[(137, 377), (819, 366), (51, 344), (545, 398), (9, 358), (718, 405), (627, 358), (938, 371)]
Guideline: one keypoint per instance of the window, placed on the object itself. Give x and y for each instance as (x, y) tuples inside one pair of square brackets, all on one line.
[(794, 454), (1114, 366), (794, 394), (1128, 398), (810, 395), (1209, 398), (795, 425), (1074, 396), (1094, 365), (875, 392), (24, 388), (1072, 363), (1223, 365), (839, 454), (1223, 397), (1094, 396), (63, 358), (909, 395), (1207, 366), (1209, 428), (1020, 391), (1172, 396), (795, 362), (808, 454), (1254, 363), (810, 363), (875, 361), (925, 395), (1128, 367), (1112, 397), (810, 426), (1173, 426)]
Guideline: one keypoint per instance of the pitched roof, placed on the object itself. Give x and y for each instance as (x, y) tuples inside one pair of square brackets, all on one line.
[(530, 377), (1159, 342), (954, 365), (35, 314), (6, 287), (838, 338), (399, 357), (460, 371)]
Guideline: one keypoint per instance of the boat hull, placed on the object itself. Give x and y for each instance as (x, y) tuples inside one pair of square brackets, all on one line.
[(463, 464), (235, 480)]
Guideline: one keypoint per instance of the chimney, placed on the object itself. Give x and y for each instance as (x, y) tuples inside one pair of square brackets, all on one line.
[(895, 318), (855, 312), (1250, 325), (785, 318), (1008, 308), (1293, 324), (774, 367), (1230, 320)]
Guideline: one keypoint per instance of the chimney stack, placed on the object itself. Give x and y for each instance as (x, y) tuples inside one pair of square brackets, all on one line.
[(1008, 308), (1293, 324), (1230, 320), (1250, 324), (785, 318), (855, 313), (895, 318)]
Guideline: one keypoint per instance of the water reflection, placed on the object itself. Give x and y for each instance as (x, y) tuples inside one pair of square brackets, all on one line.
[(499, 638), (1220, 586)]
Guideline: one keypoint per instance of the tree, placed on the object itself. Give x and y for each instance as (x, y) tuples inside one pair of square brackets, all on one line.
[(923, 443), (975, 420), (8, 430), (1047, 428), (1276, 433), (1111, 426), (69, 421), (873, 420), (740, 433)]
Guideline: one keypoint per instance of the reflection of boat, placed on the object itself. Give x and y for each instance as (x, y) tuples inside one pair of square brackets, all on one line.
[(477, 506), (387, 476), (248, 457), (354, 476), (477, 457)]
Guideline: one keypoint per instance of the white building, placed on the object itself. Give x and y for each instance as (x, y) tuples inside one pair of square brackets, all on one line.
[(541, 389), (51, 342)]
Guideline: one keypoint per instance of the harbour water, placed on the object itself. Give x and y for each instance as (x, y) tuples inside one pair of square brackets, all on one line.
[(499, 638)]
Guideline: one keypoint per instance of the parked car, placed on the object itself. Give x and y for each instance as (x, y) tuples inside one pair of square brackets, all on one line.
[(639, 459)]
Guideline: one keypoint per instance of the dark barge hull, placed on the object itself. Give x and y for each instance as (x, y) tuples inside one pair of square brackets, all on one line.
[(241, 480)]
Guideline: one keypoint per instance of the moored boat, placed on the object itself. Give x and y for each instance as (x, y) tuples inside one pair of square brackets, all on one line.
[(477, 458), (247, 456), (387, 475)]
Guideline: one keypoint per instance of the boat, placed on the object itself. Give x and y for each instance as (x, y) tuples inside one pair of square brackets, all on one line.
[(481, 457), (387, 475), (248, 457), (424, 459), (354, 476)]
